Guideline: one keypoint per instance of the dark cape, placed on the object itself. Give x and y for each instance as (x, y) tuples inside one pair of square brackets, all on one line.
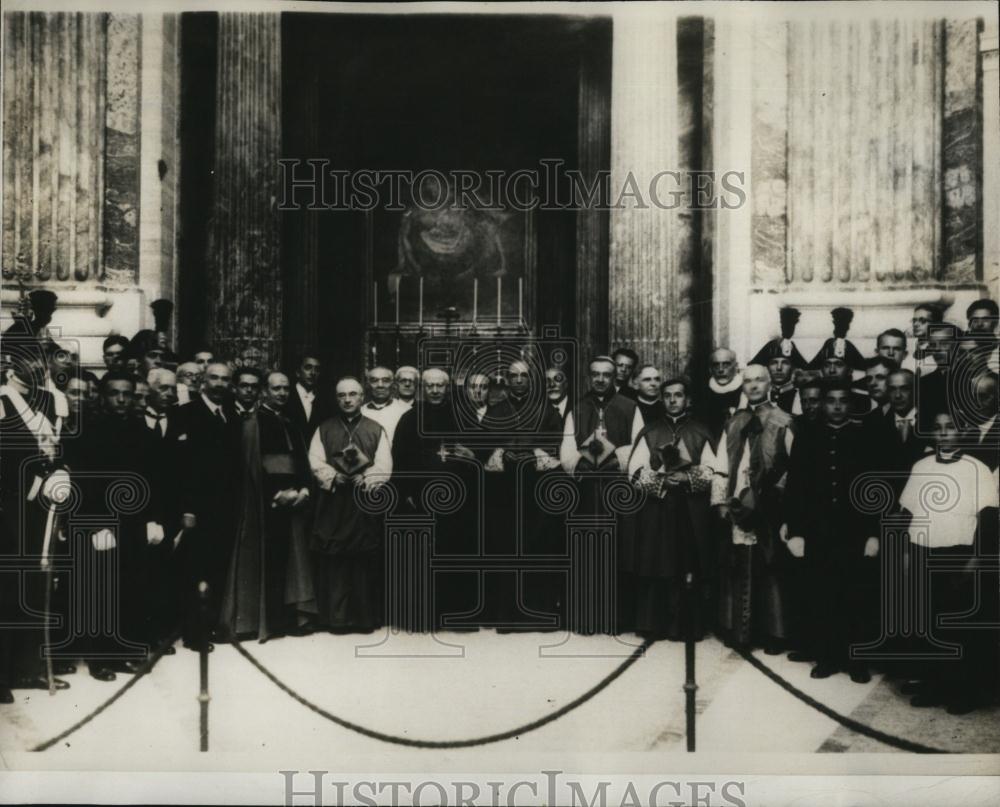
[(269, 586)]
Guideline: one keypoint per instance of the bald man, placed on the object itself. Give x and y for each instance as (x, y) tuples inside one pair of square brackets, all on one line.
[(723, 393), (348, 450), (427, 446), (750, 466), (381, 406)]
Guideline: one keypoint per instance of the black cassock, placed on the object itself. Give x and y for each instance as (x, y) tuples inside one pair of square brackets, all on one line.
[(422, 456), (269, 584), (839, 580)]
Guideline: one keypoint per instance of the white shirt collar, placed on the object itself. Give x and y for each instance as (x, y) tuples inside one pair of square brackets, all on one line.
[(735, 383), (212, 407), (303, 392), (910, 416)]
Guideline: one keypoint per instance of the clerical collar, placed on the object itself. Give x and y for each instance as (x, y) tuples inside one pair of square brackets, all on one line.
[(948, 457), (375, 405), (675, 419), (648, 401), (837, 426), (350, 418), (733, 384), (603, 399)]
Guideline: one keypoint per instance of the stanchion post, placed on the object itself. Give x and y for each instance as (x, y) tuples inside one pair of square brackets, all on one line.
[(206, 633), (690, 687)]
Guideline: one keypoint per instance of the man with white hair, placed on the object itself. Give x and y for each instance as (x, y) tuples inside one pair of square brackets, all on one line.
[(723, 393), (406, 384), (381, 406), (348, 450), (188, 381), (751, 464)]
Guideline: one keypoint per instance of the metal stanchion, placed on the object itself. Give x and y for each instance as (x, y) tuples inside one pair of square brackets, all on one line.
[(690, 687), (203, 697)]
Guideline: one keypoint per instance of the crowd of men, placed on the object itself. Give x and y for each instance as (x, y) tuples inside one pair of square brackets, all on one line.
[(760, 496)]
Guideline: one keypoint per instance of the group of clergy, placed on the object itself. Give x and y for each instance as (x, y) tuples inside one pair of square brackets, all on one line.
[(225, 501)]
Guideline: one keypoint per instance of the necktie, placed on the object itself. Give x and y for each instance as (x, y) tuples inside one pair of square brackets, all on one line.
[(161, 426), (903, 427)]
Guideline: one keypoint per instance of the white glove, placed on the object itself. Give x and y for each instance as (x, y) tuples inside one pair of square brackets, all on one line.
[(154, 533), (797, 546), (56, 487), (325, 476), (103, 540), (545, 461), (495, 462), (871, 547)]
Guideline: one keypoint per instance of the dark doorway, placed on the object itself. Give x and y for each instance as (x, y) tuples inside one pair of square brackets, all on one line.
[(423, 92)]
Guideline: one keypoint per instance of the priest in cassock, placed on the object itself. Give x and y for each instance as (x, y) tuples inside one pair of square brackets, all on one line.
[(834, 541), (750, 474), (348, 450), (271, 524), (723, 394), (597, 439), (649, 399), (428, 445), (673, 462)]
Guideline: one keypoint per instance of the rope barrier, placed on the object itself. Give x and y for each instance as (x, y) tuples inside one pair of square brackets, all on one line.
[(489, 738), (846, 722), (142, 671)]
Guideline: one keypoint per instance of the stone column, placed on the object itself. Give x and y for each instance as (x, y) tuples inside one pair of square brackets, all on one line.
[(245, 283), (648, 302)]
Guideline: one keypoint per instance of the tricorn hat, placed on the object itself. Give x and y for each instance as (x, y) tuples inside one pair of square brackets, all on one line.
[(838, 346), (783, 347)]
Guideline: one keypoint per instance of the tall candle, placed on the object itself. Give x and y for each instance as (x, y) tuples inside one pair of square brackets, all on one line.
[(520, 301), (420, 315), (375, 298), (399, 289), (475, 299), (499, 294)]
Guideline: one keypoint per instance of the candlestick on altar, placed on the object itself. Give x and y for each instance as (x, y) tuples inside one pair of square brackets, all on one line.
[(499, 296), (420, 314), (399, 288), (475, 300)]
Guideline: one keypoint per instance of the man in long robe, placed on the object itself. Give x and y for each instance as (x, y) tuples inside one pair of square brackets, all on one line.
[(751, 464), (265, 593), (346, 451), (428, 445), (649, 396), (597, 439), (671, 536), (834, 542)]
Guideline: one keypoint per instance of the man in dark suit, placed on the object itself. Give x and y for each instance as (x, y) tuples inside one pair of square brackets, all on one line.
[(207, 495), (986, 431), (306, 407), (626, 361)]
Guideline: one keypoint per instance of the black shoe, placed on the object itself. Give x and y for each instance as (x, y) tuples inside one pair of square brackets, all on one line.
[(925, 698), (102, 674), (41, 682), (823, 671), (773, 649), (860, 675), (961, 707), (209, 647), (127, 667), (63, 668), (6, 696), (801, 655)]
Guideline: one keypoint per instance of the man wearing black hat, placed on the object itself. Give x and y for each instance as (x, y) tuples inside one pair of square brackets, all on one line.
[(782, 359), (832, 539)]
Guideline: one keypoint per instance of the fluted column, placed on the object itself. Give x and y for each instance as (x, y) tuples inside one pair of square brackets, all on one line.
[(245, 284), (648, 305)]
